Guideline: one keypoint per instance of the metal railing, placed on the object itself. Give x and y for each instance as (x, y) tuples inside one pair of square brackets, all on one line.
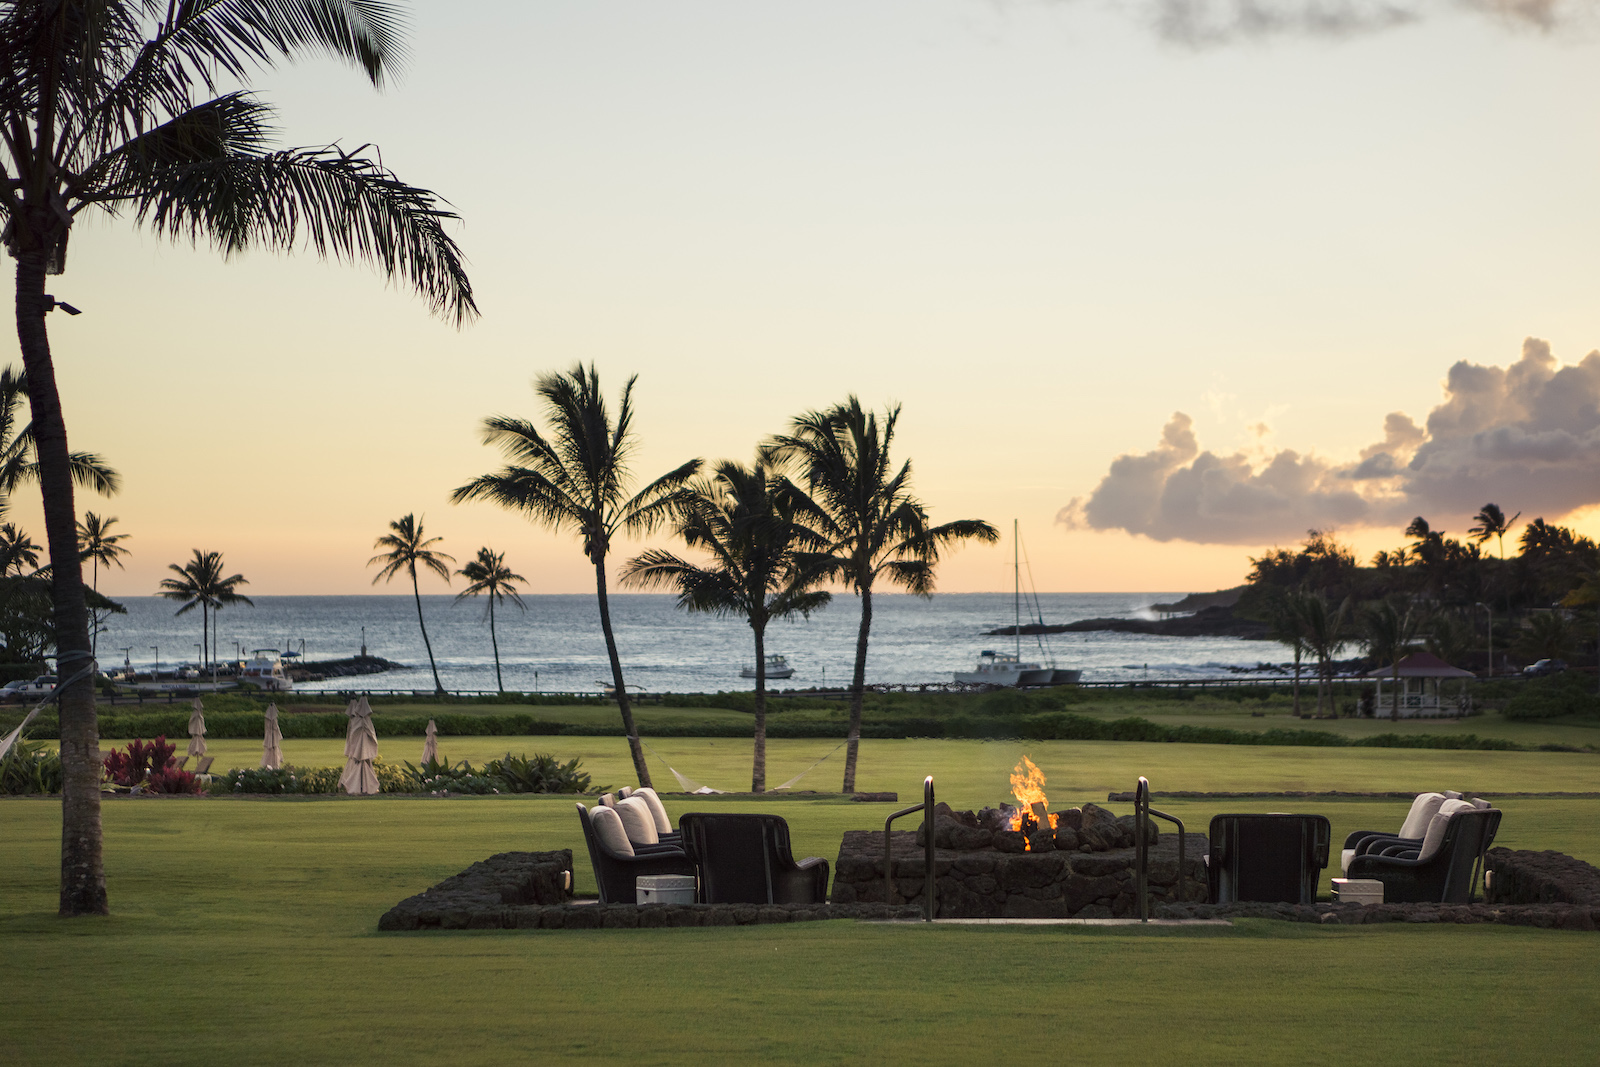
[(926, 807), (1141, 837)]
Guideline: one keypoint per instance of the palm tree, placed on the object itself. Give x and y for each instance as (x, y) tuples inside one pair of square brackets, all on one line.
[(1492, 522), (745, 519), (97, 544), (17, 550), (407, 548), (1388, 630), (576, 478), (200, 584), (1286, 620), (489, 576), (872, 526), (1324, 629), (19, 461), (115, 105)]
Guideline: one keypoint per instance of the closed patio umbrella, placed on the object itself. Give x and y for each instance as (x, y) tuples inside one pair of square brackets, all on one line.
[(272, 745), (360, 749), (197, 730), (430, 747)]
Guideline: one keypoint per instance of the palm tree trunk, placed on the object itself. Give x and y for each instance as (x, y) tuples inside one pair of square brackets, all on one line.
[(758, 768), (623, 704), (1297, 683), (858, 682), (83, 877), (438, 686), (205, 632), (1394, 705), (94, 621), (494, 642)]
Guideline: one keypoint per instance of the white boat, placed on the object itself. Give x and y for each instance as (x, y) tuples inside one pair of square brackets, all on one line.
[(1007, 668), (264, 668), (777, 667)]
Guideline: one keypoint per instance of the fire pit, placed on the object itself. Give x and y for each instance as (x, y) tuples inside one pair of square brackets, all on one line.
[(1021, 860)]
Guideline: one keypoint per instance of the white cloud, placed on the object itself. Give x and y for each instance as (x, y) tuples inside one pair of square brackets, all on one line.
[(1525, 436)]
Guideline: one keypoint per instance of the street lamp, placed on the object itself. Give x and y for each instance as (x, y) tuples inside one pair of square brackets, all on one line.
[(1490, 612), (157, 668)]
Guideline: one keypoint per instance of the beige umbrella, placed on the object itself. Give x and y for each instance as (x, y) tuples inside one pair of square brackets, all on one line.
[(360, 749), (197, 730), (272, 746), (430, 747)]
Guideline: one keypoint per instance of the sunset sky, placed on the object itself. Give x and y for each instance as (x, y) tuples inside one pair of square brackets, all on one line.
[(1149, 277)]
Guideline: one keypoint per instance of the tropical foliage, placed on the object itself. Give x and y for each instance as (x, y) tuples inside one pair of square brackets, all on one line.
[(201, 584), (133, 108), (872, 528), (489, 577), (763, 562), (407, 546), (574, 476)]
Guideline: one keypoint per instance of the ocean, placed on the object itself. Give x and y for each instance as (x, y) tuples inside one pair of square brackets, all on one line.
[(556, 644)]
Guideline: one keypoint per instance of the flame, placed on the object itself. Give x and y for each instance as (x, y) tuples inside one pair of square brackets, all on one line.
[(1027, 785)]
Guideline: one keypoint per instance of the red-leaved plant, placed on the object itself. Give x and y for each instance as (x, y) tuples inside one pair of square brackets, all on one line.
[(150, 765)]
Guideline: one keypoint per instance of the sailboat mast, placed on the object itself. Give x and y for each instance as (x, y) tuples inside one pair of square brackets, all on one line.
[(1016, 588)]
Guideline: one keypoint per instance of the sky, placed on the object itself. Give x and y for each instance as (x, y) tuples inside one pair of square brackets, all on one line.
[(1167, 282)]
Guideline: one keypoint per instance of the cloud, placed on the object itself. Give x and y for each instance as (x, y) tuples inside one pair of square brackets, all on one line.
[(1210, 23), (1525, 436)]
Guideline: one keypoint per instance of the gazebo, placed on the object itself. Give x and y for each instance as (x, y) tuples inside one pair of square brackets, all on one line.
[(1420, 674)]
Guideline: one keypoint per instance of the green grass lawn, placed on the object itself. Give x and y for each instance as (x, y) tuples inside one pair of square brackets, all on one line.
[(244, 932)]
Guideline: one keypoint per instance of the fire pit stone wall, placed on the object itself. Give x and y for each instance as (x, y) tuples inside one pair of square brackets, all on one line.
[(1084, 868)]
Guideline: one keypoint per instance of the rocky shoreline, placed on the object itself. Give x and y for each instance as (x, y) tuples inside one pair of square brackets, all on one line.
[(1216, 621), (350, 667)]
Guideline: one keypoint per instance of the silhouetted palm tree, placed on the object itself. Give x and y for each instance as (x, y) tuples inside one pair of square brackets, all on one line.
[(1286, 619), (1324, 628), (18, 551), (577, 478), (489, 576), (116, 105), (1388, 630), (872, 525), (97, 544), (19, 461), (744, 518), (407, 548), (1492, 522), (200, 584)]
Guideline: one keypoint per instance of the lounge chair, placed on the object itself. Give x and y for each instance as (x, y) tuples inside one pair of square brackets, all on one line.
[(615, 862), (640, 826), (1442, 868), (204, 766), (664, 831), (1423, 809), (746, 859), (1273, 858)]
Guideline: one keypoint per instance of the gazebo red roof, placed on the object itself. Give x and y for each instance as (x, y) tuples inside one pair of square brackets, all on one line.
[(1421, 665)]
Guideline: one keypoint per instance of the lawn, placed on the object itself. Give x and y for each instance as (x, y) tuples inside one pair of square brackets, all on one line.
[(245, 930)]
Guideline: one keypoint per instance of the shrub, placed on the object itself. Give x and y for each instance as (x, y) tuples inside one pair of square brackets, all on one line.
[(1568, 693), (30, 768), (538, 774), (131, 767), (172, 779), (283, 780)]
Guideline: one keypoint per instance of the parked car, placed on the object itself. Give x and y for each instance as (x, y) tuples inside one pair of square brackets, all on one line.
[(14, 691), (1544, 667)]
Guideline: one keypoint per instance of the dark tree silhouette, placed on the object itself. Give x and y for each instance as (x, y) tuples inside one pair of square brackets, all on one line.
[(488, 576), (407, 547)]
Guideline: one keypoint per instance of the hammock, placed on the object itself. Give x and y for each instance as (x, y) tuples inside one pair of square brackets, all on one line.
[(808, 770), (689, 785)]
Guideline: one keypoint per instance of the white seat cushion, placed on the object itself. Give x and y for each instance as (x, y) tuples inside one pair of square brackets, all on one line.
[(1423, 809), (1345, 856), (1436, 828), (608, 828), (658, 810), (637, 821)]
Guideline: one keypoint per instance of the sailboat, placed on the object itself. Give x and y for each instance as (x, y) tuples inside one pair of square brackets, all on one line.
[(1007, 668)]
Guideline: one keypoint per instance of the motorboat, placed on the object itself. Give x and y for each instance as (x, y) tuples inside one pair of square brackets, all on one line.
[(264, 669), (777, 667)]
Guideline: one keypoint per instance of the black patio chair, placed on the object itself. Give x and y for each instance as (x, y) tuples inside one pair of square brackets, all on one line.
[(1271, 858), (746, 859), (1442, 870), (615, 871)]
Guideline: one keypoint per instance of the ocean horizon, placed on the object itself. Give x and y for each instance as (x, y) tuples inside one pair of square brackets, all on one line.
[(556, 644)]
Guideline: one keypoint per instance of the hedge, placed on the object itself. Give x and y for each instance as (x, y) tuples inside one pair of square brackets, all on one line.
[(1054, 726)]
